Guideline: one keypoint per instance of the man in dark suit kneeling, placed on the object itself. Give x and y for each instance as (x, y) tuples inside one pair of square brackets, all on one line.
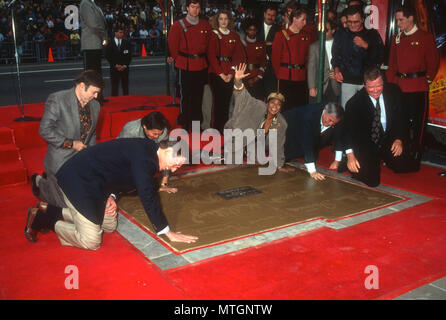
[(375, 129), (310, 128), (87, 179)]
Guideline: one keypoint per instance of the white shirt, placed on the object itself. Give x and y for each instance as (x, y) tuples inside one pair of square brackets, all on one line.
[(383, 115), (266, 29), (117, 41), (328, 45)]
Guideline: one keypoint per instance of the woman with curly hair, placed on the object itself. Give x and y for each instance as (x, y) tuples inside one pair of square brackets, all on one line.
[(225, 51)]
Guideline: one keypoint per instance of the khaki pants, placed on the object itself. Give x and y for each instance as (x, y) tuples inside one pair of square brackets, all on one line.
[(76, 230)]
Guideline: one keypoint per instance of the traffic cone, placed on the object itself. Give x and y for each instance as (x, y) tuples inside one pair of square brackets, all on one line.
[(143, 51), (50, 56)]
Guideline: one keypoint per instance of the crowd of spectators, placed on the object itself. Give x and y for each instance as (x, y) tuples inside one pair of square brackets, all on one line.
[(40, 26)]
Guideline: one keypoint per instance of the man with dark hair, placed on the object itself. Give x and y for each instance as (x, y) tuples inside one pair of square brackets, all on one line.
[(119, 55), (267, 31), (375, 129), (152, 126), (310, 128), (331, 88), (354, 50), (86, 180), (188, 43), (413, 63), (64, 134)]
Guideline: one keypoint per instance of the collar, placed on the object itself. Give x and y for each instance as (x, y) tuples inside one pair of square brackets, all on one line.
[(225, 32), (250, 40), (193, 21), (411, 32)]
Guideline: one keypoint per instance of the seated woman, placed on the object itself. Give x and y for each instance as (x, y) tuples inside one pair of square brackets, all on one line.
[(251, 113)]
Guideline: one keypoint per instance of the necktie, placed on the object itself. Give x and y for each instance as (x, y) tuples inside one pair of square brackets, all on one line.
[(119, 44), (376, 124)]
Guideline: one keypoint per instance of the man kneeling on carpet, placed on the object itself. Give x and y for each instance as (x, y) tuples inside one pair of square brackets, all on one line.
[(86, 180), (312, 127), (152, 126), (251, 113)]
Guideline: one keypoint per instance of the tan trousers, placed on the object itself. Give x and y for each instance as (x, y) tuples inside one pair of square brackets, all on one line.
[(76, 230)]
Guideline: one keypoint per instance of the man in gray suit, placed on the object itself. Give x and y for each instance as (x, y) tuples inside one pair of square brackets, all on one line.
[(68, 126), (94, 34), (331, 88)]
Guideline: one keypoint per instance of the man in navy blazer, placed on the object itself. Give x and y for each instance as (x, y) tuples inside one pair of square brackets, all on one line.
[(87, 179), (366, 147), (310, 128)]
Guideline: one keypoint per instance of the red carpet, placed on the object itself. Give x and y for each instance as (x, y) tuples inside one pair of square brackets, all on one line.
[(407, 247), (37, 271)]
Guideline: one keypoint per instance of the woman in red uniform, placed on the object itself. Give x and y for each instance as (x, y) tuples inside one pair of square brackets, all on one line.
[(225, 51), (290, 57), (255, 51)]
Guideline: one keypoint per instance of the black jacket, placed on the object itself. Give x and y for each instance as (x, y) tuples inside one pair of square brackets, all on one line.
[(115, 55), (353, 60), (303, 135), (118, 165), (359, 113), (270, 38)]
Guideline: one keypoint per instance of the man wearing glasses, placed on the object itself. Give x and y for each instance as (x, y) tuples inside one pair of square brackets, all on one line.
[(354, 50)]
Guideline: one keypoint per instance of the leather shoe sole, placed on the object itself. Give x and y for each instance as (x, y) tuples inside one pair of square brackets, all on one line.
[(30, 233)]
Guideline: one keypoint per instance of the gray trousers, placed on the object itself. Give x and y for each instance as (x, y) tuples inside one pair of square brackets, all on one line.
[(50, 191), (348, 90)]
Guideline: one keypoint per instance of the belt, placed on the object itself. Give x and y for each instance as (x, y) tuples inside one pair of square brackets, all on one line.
[(411, 74), (292, 66), (227, 59), (253, 66), (192, 56)]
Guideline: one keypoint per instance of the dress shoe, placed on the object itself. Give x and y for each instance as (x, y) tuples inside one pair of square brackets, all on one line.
[(30, 233), (42, 206), (34, 187)]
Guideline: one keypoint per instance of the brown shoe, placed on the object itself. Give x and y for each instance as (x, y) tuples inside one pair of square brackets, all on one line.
[(30, 233), (42, 206)]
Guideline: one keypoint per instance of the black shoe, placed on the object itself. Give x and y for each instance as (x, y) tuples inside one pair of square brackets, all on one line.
[(30, 233), (35, 189)]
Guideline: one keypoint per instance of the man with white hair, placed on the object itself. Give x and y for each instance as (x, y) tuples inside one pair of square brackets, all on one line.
[(86, 180)]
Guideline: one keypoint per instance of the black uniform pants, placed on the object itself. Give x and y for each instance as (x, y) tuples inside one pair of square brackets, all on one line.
[(222, 93), (119, 76), (295, 93), (416, 108), (191, 95)]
